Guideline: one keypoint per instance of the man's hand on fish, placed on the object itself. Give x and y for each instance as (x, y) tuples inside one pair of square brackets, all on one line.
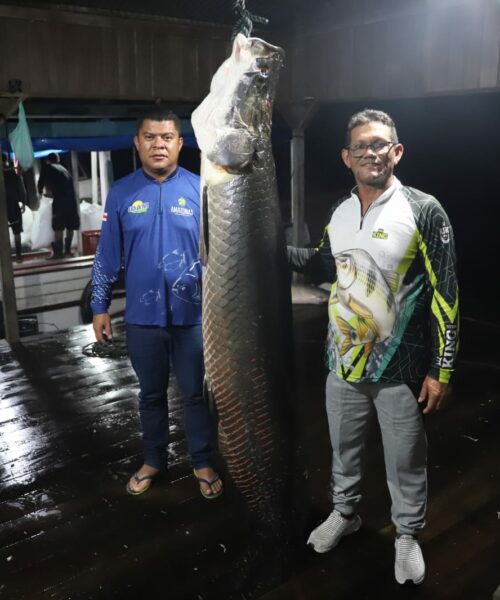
[(433, 392)]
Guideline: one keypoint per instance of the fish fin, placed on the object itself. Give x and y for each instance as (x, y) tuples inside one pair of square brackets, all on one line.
[(359, 309), (362, 328), (204, 226), (392, 279), (344, 326), (368, 348), (372, 326), (346, 346), (345, 329)]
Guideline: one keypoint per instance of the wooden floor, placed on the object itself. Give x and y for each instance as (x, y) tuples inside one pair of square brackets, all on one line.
[(69, 439)]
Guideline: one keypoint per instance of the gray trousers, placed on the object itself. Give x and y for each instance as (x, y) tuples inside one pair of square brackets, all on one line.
[(350, 407)]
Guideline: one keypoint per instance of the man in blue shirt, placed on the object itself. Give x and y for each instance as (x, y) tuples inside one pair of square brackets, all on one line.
[(151, 226)]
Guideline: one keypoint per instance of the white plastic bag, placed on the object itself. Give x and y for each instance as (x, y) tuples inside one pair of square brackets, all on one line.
[(90, 216), (27, 216), (42, 234)]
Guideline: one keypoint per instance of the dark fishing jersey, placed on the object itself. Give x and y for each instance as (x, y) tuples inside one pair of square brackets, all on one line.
[(393, 308), (152, 230)]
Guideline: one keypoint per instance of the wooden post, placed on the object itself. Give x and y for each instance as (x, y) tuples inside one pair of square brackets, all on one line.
[(95, 177), (76, 185), (103, 177), (7, 274), (298, 115)]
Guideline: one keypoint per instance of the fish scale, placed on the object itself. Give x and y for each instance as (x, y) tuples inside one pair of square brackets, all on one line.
[(246, 288), (236, 333)]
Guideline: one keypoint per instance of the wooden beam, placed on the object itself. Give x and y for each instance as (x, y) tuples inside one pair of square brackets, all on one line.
[(7, 274)]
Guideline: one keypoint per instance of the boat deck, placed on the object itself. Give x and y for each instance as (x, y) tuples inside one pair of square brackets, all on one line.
[(69, 439)]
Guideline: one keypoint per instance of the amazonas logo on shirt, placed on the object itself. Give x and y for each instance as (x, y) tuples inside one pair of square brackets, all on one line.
[(181, 209), (138, 207)]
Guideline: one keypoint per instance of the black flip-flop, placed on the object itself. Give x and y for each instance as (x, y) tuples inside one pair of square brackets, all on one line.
[(213, 495), (138, 479)]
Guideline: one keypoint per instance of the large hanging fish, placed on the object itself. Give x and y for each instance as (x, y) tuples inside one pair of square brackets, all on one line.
[(246, 289)]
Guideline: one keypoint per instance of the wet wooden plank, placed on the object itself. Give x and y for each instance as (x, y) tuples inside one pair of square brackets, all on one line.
[(69, 439)]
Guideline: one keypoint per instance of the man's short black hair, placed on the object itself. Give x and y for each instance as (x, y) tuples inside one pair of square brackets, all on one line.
[(158, 113), (370, 115), (53, 157)]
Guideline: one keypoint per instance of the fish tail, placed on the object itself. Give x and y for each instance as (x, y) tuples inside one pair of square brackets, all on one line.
[(346, 329)]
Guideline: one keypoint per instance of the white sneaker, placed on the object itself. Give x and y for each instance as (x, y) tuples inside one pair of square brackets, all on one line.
[(327, 535), (409, 564)]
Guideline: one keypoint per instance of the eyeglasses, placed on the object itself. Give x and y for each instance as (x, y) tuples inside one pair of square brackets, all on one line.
[(380, 147)]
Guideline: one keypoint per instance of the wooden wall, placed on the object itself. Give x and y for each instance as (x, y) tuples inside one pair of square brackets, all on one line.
[(352, 50), (75, 55), (338, 50)]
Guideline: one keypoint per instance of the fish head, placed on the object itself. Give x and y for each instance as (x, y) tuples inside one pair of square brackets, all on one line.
[(187, 286), (235, 118), (346, 270)]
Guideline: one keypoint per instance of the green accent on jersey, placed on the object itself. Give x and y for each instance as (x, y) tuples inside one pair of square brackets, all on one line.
[(444, 375), (450, 311), (408, 257), (404, 317), (428, 266), (437, 313), (360, 362), (438, 307)]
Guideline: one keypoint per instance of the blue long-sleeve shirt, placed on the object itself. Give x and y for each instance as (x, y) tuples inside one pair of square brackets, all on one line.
[(152, 229)]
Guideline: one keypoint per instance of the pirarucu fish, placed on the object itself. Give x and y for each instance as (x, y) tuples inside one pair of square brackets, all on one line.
[(246, 288)]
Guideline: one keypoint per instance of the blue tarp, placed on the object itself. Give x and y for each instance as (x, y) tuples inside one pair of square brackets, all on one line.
[(97, 144), (117, 142)]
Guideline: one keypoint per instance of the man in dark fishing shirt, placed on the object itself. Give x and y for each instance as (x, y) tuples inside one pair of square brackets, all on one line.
[(58, 183), (151, 225), (393, 333)]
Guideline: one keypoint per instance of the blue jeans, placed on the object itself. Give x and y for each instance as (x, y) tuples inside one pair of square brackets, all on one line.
[(152, 351)]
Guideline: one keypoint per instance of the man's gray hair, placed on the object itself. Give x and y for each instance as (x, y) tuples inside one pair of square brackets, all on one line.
[(370, 115)]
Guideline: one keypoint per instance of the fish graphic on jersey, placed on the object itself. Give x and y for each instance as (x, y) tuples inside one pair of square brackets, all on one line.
[(187, 287), (369, 294)]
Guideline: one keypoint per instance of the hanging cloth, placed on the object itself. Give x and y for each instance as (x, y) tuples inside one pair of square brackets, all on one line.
[(20, 140)]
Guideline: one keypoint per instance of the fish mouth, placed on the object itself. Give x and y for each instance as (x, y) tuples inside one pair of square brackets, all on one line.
[(265, 65), (261, 67)]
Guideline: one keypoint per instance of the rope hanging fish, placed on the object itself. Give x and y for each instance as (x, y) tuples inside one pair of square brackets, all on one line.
[(246, 19)]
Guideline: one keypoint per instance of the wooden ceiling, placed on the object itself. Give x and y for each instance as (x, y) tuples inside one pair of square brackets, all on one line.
[(209, 11)]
